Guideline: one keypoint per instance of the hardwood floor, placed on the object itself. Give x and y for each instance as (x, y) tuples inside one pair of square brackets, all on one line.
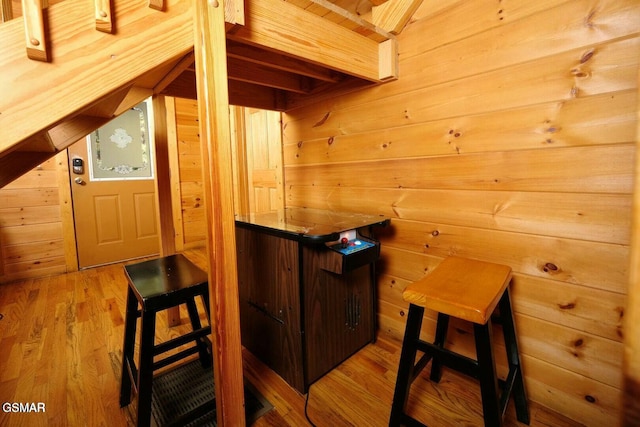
[(61, 345)]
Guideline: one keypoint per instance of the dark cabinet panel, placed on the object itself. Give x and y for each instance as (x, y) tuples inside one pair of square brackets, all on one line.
[(268, 283)]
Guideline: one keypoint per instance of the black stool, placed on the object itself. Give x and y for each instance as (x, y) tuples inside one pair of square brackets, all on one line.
[(469, 290), (157, 285)]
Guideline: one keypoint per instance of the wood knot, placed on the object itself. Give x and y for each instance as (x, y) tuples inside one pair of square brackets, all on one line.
[(590, 398), (587, 56), (299, 144), (402, 313), (322, 120), (330, 140), (435, 233), (550, 268), (569, 306)]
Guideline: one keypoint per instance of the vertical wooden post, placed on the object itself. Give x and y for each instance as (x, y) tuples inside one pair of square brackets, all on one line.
[(163, 190), (631, 364), (215, 137)]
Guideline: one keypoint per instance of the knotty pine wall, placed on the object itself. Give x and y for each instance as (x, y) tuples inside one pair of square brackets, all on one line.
[(509, 137), (186, 166), (32, 230)]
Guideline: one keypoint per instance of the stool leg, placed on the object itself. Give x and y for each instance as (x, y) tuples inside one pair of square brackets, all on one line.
[(513, 356), (205, 359), (487, 375), (441, 336), (205, 303), (405, 367), (145, 371), (128, 346)]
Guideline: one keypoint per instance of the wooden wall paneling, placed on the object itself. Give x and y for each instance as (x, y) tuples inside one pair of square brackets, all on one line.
[(486, 15), (34, 243), (187, 172), (631, 362), (598, 265), (576, 122), (589, 402), (560, 170), (213, 111), (16, 216), (33, 251), (2, 259), (597, 217), (509, 136), (548, 79), (454, 52), (39, 196)]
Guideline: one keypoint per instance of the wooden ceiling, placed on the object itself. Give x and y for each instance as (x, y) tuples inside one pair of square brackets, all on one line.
[(275, 77)]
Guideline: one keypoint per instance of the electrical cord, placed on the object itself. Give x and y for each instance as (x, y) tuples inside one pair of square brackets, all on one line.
[(306, 402)]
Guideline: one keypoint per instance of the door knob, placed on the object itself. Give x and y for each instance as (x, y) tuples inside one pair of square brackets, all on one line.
[(79, 181)]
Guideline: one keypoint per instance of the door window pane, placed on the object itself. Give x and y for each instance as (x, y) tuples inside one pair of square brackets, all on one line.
[(122, 149)]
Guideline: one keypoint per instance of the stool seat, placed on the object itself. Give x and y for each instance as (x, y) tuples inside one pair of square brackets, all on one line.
[(460, 287), (469, 290), (166, 282)]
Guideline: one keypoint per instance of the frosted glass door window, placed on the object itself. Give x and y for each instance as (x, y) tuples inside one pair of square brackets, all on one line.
[(122, 149)]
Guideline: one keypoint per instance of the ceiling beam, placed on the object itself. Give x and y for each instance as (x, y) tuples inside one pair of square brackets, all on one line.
[(249, 95), (280, 62), (266, 76), (288, 29)]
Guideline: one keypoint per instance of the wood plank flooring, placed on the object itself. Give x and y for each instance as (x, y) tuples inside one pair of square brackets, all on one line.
[(61, 345)]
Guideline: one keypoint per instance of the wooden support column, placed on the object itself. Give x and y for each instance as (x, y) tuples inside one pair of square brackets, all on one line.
[(631, 364), (163, 190), (215, 137)]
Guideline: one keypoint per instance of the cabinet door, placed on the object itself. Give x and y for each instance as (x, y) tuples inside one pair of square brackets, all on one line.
[(268, 283), (338, 312)]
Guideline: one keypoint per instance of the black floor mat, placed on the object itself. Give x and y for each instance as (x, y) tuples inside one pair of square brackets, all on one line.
[(186, 387)]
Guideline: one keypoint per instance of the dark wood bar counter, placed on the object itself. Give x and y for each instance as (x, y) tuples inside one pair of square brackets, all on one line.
[(307, 288)]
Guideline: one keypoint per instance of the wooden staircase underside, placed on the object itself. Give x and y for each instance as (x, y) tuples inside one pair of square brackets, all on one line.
[(279, 55)]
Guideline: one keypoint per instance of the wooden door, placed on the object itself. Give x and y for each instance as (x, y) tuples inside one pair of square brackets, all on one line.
[(114, 201), (264, 160)]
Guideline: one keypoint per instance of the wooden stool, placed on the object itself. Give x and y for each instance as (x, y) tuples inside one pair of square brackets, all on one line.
[(469, 290), (157, 285)]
